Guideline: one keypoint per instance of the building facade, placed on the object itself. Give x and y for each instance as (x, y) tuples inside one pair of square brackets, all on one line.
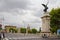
[(7, 28)]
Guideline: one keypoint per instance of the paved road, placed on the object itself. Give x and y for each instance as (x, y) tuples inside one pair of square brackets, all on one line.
[(38, 39), (27, 37)]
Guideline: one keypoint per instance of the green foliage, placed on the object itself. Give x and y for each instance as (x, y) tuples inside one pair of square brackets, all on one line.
[(13, 30), (0, 28), (55, 20), (53, 30), (29, 31), (23, 30), (34, 30)]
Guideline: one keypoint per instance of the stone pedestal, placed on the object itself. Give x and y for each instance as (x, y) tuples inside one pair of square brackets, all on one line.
[(45, 24)]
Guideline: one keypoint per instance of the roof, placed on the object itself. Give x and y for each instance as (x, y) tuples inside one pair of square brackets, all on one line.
[(9, 26)]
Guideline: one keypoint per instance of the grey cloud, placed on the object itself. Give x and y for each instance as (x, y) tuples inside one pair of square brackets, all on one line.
[(17, 12), (12, 4), (36, 21), (14, 10), (53, 1), (39, 13)]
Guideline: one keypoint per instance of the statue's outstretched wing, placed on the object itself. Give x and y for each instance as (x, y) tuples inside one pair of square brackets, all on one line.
[(44, 5)]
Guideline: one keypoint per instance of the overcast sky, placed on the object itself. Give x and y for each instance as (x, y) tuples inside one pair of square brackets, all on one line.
[(24, 12)]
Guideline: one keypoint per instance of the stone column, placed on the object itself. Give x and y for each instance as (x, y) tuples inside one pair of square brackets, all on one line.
[(45, 23)]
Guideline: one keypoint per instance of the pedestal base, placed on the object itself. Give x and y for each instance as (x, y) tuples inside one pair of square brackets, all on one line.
[(45, 33)]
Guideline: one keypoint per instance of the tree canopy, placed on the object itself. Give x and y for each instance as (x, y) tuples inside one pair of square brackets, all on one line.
[(34, 30), (55, 20), (13, 30), (23, 30)]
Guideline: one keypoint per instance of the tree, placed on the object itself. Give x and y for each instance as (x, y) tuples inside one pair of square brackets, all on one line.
[(29, 31), (53, 30), (34, 30), (13, 30), (55, 20), (23, 30), (0, 27)]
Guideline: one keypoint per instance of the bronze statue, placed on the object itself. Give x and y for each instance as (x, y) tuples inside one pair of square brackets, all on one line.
[(45, 6)]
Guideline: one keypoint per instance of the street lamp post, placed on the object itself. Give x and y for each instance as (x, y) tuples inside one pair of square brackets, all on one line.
[(24, 26), (3, 31)]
